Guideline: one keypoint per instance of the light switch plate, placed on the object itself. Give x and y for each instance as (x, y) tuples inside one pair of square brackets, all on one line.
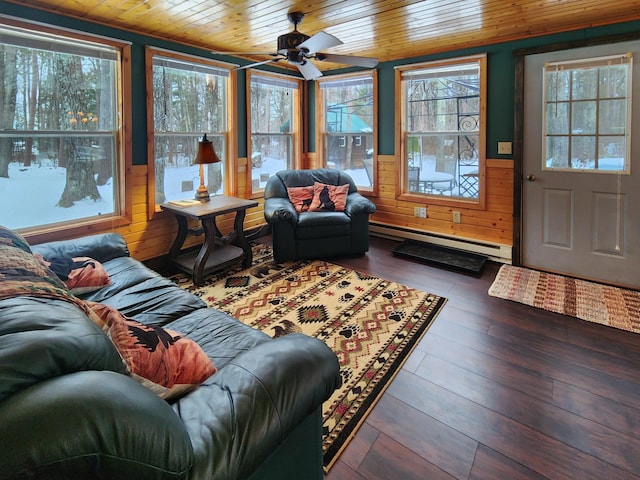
[(504, 148)]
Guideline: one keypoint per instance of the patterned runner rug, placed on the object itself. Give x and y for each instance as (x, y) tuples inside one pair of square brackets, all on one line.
[(594, 302), (370, 323)]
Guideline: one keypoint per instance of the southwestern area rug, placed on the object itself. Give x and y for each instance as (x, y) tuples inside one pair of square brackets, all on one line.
[(594, 302), (370, 323)]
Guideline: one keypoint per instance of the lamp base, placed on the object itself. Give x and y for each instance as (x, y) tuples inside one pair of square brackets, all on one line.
[(202, 195)]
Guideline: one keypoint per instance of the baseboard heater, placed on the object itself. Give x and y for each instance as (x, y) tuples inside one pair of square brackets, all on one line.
[(495, 252)]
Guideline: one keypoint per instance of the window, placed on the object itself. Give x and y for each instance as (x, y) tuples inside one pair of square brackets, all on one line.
[(347, 129), (274, 105), (61, 133), (587, 106), (442, 129), (190, 98)]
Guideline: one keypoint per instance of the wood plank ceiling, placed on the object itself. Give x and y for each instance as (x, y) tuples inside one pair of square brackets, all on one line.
[(385, 29)]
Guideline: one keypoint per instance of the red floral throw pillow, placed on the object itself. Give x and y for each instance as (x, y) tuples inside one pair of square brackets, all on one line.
[(301, 197), (160, 359), (329, 198)]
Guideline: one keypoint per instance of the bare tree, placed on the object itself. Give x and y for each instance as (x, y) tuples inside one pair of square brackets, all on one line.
[(8, 92)]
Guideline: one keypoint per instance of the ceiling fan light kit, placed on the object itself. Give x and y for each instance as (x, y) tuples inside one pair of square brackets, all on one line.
[(298, 48)]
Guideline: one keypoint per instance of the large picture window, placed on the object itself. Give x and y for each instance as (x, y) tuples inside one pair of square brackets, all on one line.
[(443, 128), (347, 129), (61, 158), (274, 105), (189, 98), (587, 106)]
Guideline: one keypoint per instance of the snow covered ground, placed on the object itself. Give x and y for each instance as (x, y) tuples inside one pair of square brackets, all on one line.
[(30, 195)]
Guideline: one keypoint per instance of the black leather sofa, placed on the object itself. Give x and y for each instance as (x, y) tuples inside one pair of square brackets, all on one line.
[(68, 410), (318, 234)]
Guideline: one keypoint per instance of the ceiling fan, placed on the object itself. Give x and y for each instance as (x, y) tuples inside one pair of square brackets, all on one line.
[(297, 49)]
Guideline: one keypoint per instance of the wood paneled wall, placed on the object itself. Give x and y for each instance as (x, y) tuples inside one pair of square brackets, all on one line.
[(493, 225), (149, 239)]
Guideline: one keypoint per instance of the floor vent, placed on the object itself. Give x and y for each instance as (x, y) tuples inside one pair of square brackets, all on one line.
[(437, 255)]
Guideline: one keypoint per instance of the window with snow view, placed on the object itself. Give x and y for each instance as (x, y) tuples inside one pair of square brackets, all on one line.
[(188, 97), (273, 107), (60, 128), (346, 137)]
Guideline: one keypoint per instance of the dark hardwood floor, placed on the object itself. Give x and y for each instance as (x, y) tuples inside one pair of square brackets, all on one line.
[(499, 390)]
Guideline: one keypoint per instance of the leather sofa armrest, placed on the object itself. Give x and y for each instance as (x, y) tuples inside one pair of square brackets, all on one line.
[(101, 247), (91, 424), (277, 209), (243, 412), (358, 204)]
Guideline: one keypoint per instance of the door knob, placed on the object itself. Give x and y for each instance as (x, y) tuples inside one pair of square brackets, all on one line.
[(531, 177)]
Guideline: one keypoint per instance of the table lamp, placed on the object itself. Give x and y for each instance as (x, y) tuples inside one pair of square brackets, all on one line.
[(206, 155)]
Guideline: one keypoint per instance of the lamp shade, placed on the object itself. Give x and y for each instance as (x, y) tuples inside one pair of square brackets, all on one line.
[(206, 154)]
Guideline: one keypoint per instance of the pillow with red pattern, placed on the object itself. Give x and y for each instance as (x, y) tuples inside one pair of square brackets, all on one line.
[(329, 198), (160, 359), (87, 275), (301, 197)]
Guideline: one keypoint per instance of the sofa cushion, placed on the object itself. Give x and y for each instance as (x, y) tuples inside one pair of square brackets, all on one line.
[(142, 294), (220, 336), (164, 361), (42, 338), (323, 225), (92, 425)]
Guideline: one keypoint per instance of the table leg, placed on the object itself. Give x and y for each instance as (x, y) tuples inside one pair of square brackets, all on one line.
[(238, 226), (176, 247), (209, 226)]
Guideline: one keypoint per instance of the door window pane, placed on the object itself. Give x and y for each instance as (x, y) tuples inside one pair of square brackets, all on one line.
[(587, 105)]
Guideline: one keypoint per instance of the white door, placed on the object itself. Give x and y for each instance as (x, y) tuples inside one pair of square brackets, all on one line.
[(581, 191)]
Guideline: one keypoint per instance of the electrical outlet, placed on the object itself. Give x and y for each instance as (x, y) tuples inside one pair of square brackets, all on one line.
[(456, 217), (504, 148), (420, 212)]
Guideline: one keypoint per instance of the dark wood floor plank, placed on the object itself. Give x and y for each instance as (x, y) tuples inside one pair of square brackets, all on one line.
[(389, 459), (615, 415), (498, 390), (489, 464), (359, 446), (434, 441), (340, 471), (569, 428), (519, 442), (501, 371)]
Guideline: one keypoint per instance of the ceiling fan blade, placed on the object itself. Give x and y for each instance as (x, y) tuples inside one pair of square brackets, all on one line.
[(271, 54), (308, 70), (251, 65), (367, 62), (319, 41)]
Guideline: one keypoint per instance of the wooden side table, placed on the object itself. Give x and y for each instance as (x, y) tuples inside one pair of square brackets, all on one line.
[(217, 251)]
